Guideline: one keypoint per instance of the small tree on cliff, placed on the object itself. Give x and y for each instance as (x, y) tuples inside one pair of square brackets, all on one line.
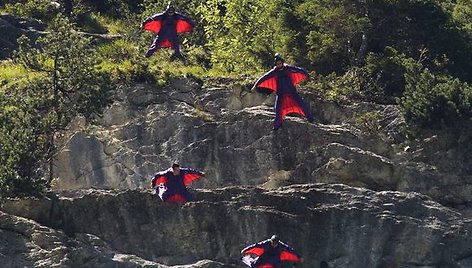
[(66, 84), (22, 143)]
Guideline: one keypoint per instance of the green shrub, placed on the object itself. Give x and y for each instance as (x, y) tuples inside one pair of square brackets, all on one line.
[(37, 9), (66, 83), (382, 78), (369, 121), (339, 88), (241, 35), (462, 13), (22, 145), (90, 23), (435, 100)]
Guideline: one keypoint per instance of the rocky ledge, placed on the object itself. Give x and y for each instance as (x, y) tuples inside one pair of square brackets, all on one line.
[(226, 131), (341, 225)]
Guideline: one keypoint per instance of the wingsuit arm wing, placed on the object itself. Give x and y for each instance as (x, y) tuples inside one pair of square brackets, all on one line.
[(267, 81), (297, 74), (153, 23), (256, 249), (191, 175), (184, 24), (159, 178), (288, 253)]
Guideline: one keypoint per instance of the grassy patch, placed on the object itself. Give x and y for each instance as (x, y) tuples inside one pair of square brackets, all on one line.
[(90, 23), (112, 26), (369, 121), (204, 115), (165, 69), (125, 61), (118, 50), (13, 75)]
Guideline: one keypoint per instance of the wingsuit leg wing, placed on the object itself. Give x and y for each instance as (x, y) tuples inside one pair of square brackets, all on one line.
[(169, 195), (300, 103), (302, 106), (159, 42), (287, 104), (176, 48), (175, 198)]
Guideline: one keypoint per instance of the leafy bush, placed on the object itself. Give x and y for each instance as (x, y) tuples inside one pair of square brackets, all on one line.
[(23, 146), (462, 13), (90, 23), (436, 100), (334, 36), (37, 9), (67, 83), (369, 121), (333, 30), (240, 35), (382, 77), (339, 88)]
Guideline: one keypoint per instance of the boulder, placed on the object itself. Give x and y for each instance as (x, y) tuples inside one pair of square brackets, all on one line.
[(12, 27)]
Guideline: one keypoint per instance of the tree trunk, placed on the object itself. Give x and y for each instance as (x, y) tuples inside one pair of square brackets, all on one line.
[(52, 147)]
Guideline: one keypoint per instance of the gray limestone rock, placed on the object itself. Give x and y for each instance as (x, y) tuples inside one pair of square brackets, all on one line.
[(226, 131), (341, 225), (12, 27)]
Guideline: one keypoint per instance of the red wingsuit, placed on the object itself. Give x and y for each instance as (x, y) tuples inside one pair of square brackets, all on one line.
[(284, 81), (174, 188), (167, 26), (269, 256)]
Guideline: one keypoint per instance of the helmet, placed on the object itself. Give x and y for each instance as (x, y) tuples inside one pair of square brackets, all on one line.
[(277, 57), (170, 6)]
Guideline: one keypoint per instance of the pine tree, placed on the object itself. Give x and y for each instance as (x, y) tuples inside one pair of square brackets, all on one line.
[(66, 84)]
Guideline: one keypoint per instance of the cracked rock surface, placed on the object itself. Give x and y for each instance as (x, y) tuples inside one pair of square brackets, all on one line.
[(343, 190), (226, 131), (341, 225)]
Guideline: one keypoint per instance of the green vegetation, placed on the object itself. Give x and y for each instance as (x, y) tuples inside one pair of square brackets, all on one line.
[(369, 121), (23, 146), (436, 100), (63, 82), (413, 53), (36, 9), (13, 75)]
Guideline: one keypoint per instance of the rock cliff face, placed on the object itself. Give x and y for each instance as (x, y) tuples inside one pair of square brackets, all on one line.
[(349, 190), (226, 131), (337, 224)]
